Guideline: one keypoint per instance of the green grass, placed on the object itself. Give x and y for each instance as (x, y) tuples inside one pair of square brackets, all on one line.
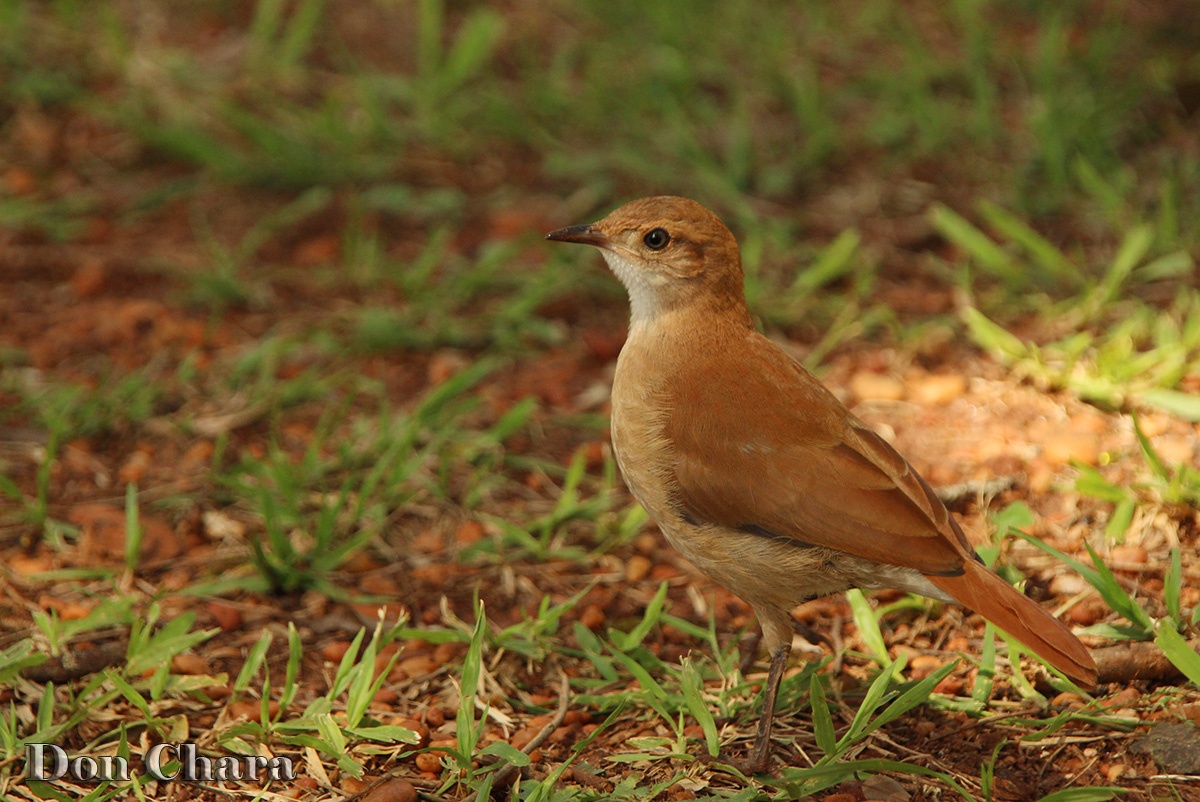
[(1025, 160)]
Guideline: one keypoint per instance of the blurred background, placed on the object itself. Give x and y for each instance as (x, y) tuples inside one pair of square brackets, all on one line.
[(276, 316)]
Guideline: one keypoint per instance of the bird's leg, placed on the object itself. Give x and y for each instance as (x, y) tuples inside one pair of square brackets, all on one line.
[(750, 651), (760, 757)]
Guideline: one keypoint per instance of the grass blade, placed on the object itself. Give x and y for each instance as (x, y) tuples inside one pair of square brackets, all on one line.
[(821, 717), (1047, 257), (868, 626), (986, 253), (1177, 650), (692, 685)]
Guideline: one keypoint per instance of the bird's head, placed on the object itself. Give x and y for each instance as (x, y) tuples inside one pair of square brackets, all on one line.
[(669, 252)]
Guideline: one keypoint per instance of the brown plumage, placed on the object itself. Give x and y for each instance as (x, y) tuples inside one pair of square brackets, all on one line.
[(755, 471)]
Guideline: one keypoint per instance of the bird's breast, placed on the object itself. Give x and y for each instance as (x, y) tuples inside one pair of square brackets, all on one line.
[(640, 408)]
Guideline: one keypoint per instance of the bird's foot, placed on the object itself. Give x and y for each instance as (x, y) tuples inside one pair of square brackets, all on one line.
[(749, 766)]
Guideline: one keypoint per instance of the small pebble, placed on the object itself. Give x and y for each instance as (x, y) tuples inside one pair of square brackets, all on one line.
[(306, 783), (592, 617), (445, 652), (1129, 554), (251, 709), (1084, 614), (937, 389), (646, 543), (922, 665), (1062, 448), (469, 532), (870, 386), (228, 618), (521, 738), (951, 686), (429, 761), (190, 664), (444, 364), (416, 726), (335, 651), (637, 568), (352, 785), (1068, 699), (27, 565), (1176, 450), (1068, 585), (417, 666), (396, 790), (385, 697)]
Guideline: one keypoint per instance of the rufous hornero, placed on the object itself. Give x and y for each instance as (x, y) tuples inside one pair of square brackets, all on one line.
[(755, 471)]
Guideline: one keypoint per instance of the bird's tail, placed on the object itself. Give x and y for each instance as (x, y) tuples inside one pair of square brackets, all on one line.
[(1021, 617)]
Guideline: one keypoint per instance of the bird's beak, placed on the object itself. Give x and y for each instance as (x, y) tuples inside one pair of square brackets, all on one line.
[(585, 235)]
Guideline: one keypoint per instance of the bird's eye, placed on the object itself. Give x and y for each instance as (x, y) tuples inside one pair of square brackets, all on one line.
[(656, 239)]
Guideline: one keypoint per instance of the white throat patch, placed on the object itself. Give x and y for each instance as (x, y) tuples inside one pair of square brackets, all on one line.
[(642, 285)]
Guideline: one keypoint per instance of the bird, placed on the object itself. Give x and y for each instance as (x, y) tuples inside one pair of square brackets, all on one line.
[(755, 471)]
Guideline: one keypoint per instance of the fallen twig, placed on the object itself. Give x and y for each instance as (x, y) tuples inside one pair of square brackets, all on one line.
[(78, 663), (958, 495), (564, 696), (1134, 660)]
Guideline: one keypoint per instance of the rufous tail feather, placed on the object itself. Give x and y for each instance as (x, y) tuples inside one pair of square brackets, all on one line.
[(1022, 618)]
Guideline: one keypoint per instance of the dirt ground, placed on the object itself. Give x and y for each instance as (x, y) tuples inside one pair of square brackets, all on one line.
[(114, 312)]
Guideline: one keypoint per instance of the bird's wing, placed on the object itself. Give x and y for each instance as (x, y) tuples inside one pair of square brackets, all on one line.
[(803, 467)]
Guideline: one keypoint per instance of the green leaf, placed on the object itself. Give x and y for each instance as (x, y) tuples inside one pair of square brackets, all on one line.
[(868, 625), (986, 253), (1104, 582), (130, 693), (476, 42), (822, 719), (915, 695), (1178, 651), (254, 660), (1016, 515), (1091, 482), (1152, 459), (44, 790), (1049, 258), (174, 637), (986, 679), (874, 697), (1131, 251), (649, 685), (17, 658), (1116, 597), (295, 654), (693, 696), (366, 683), (991, 336), (506, 752), (133, 529), (467, 733), (45, 714), (832, 263), (631, 641), (1122, 517), (1173, 586), (385, 734), (1179, 404), (803, 783)]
